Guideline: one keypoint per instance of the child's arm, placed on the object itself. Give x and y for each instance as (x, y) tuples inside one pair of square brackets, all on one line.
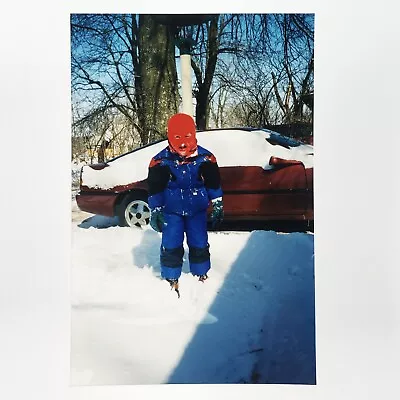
[(157, 181), (212, 180)]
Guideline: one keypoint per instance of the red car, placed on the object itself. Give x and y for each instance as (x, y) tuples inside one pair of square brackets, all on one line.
[(264, 176)]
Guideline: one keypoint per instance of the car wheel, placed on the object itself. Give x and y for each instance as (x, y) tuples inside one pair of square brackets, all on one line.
[(134, 211)]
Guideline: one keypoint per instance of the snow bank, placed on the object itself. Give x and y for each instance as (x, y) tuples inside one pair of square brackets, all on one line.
[(252, 321)]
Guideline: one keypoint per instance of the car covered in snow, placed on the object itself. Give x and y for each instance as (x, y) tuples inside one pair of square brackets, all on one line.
[(264, 176)]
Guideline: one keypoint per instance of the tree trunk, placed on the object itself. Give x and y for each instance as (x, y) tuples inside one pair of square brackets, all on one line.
[(203, 95), (298, 105), (160, 96)]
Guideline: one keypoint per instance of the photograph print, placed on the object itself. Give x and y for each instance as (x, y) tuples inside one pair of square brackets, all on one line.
[(192, 199)]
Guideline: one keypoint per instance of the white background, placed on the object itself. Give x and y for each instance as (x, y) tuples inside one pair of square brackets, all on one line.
[(356, 201)]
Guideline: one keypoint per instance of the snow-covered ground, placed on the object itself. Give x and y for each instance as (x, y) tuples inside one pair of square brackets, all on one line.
[(252, 321)]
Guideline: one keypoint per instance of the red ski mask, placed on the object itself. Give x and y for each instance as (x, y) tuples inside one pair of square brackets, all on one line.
[(182, 135)]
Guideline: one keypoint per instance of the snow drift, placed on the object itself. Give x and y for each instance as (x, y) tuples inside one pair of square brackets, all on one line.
[(252, 321)]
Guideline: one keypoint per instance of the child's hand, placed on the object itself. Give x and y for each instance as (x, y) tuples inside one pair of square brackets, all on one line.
[(217, 213), (157, 219)]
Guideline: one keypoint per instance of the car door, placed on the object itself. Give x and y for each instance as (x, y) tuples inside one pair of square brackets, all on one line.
[(253, 186), (287, 195), (252, 191)]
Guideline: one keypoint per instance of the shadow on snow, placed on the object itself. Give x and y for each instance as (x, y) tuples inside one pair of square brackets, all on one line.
[(281, 347), (264, 313)]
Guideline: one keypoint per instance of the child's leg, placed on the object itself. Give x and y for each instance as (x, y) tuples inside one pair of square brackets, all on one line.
[(172, 246), (197, 239)]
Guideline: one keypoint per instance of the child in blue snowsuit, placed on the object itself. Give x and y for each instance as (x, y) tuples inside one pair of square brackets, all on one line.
[(183, 178)]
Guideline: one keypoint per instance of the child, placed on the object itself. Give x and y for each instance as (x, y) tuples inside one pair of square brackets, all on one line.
[(183, 178)]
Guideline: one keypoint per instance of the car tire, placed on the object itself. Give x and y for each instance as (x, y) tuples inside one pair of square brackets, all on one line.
[(134, 210)]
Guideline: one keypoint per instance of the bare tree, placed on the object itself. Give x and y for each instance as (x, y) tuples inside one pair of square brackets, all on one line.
[(266, 60), (159, 81), (91, 131), (249, 69), (127, 63), (294, 67)]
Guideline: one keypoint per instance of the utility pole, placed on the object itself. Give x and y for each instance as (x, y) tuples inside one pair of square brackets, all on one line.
[(185, 45)]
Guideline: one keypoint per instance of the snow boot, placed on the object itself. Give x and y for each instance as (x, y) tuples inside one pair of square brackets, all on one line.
[(174, 285), (202, 278)]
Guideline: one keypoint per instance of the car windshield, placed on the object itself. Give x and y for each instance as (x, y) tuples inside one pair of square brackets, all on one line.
[(284, 141)]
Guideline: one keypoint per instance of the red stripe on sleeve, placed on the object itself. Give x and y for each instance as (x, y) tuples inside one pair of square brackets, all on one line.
[(154, 162), (212, 158)]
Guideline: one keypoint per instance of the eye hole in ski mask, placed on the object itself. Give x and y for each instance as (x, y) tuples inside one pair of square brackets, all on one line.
[(182, 135)]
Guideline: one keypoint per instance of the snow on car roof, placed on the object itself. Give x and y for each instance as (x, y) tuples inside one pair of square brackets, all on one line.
[(231, 147)]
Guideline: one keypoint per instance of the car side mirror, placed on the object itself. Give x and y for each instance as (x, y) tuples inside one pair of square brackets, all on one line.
[(281, 162)]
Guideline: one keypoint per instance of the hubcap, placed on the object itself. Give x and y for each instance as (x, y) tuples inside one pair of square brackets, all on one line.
[(137, 213)]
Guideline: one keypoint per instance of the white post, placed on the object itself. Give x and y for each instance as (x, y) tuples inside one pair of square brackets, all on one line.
[(186, 71)]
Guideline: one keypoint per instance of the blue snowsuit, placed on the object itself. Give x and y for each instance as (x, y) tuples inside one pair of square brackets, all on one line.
[(184, 188)]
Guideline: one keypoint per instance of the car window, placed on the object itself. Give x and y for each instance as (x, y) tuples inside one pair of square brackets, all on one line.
[(280, 140)]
